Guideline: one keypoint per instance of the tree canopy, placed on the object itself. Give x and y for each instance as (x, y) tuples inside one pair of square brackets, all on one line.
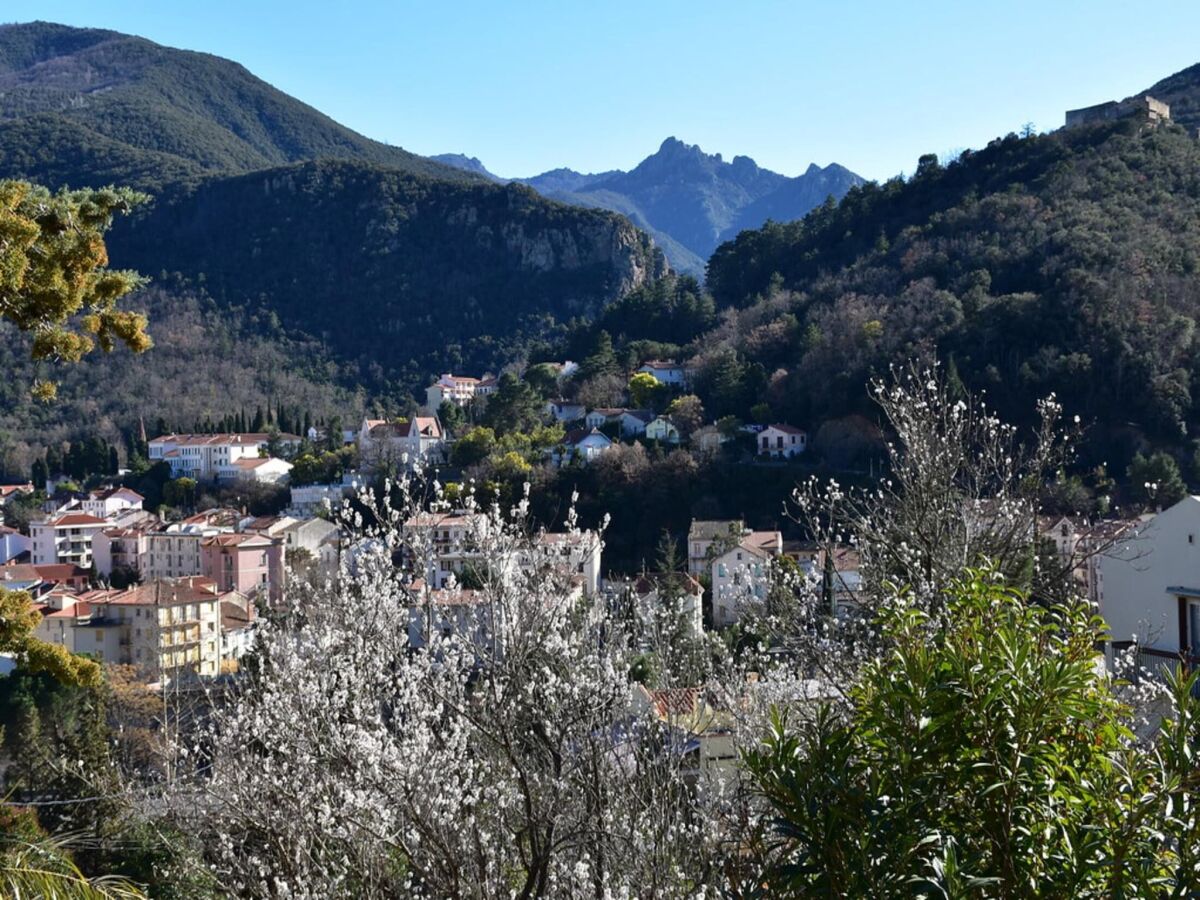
[(54, 279)]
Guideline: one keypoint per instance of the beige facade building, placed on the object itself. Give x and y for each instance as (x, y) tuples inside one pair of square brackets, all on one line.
[(167, 629)]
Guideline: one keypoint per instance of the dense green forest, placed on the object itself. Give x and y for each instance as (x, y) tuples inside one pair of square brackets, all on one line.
[(299, 249), (1061, 263), (207, 362), (398, 274), (195, 107)]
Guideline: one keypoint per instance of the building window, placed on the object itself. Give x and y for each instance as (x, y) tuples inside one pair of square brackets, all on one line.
[(1193, 626)]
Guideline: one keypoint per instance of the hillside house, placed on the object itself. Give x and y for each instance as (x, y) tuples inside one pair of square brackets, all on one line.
[(255, 470), (311, 499), (457, 389), (248, 563), (13, 544), (742, 574), (583, 445), (708, 538), (565, 411), (662, 429), (173, 551), (65, 539), (665, 371), (708, 439), (1148, 587), (603, 415), (781, 441), (403, 444), (110, 501), (202, 456)]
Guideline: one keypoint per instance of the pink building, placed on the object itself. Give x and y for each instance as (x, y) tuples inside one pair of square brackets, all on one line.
[(248, 563)]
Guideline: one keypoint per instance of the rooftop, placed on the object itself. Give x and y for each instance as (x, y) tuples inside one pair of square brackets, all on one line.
[(166, 592)]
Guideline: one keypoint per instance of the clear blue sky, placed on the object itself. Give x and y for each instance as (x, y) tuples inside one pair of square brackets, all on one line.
[(528, 86)]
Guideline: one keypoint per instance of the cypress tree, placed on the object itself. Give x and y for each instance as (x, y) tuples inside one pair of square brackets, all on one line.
[(54, 460)]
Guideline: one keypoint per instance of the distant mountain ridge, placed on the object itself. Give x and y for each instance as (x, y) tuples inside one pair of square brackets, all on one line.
[(291, 231), (200, 108), (688, 200)]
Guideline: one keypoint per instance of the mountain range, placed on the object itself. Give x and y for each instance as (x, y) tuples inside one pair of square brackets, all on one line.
[(293, 258), (387, 267), (688, 200)]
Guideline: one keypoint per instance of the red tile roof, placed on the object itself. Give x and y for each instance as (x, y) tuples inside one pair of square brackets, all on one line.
[(235, 540), (73, 519), (167, 592), (79, 610)]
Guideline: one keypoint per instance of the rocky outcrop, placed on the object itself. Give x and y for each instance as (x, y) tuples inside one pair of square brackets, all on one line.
[(394, 272)]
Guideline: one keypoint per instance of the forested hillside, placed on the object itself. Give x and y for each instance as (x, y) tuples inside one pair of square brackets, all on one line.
[(403, 275), (206, 362), (193, 106), (319, 254), (1062, 263)]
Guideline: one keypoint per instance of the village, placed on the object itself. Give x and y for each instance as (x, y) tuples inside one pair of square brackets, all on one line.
[(177, 592)]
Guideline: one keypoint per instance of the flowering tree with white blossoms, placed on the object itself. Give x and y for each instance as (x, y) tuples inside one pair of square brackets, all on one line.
[(961, 488), (376, 753)]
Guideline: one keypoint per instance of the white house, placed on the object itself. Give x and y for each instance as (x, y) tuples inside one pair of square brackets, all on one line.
[(173, 551), (666, 371), (742, 574), (65, 539), (583, 445), (782, 441), (574, 553), (120, 547), (602, 415), (1148, 586), (106, 503), (635, 421), (703, 535), (202, 456), (12, 544), (565, 410), (310, 499), (662, 429), (408, 442), (708, 439), (317, 537), (256, 470), (457, 389), (443, 545)]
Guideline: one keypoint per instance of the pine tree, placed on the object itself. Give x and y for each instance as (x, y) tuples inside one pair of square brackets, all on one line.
[(602, 360), (39, 474), (54, 460)]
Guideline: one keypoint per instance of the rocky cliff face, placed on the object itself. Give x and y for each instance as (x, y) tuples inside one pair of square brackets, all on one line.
[(400, 273), (688, 200)]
